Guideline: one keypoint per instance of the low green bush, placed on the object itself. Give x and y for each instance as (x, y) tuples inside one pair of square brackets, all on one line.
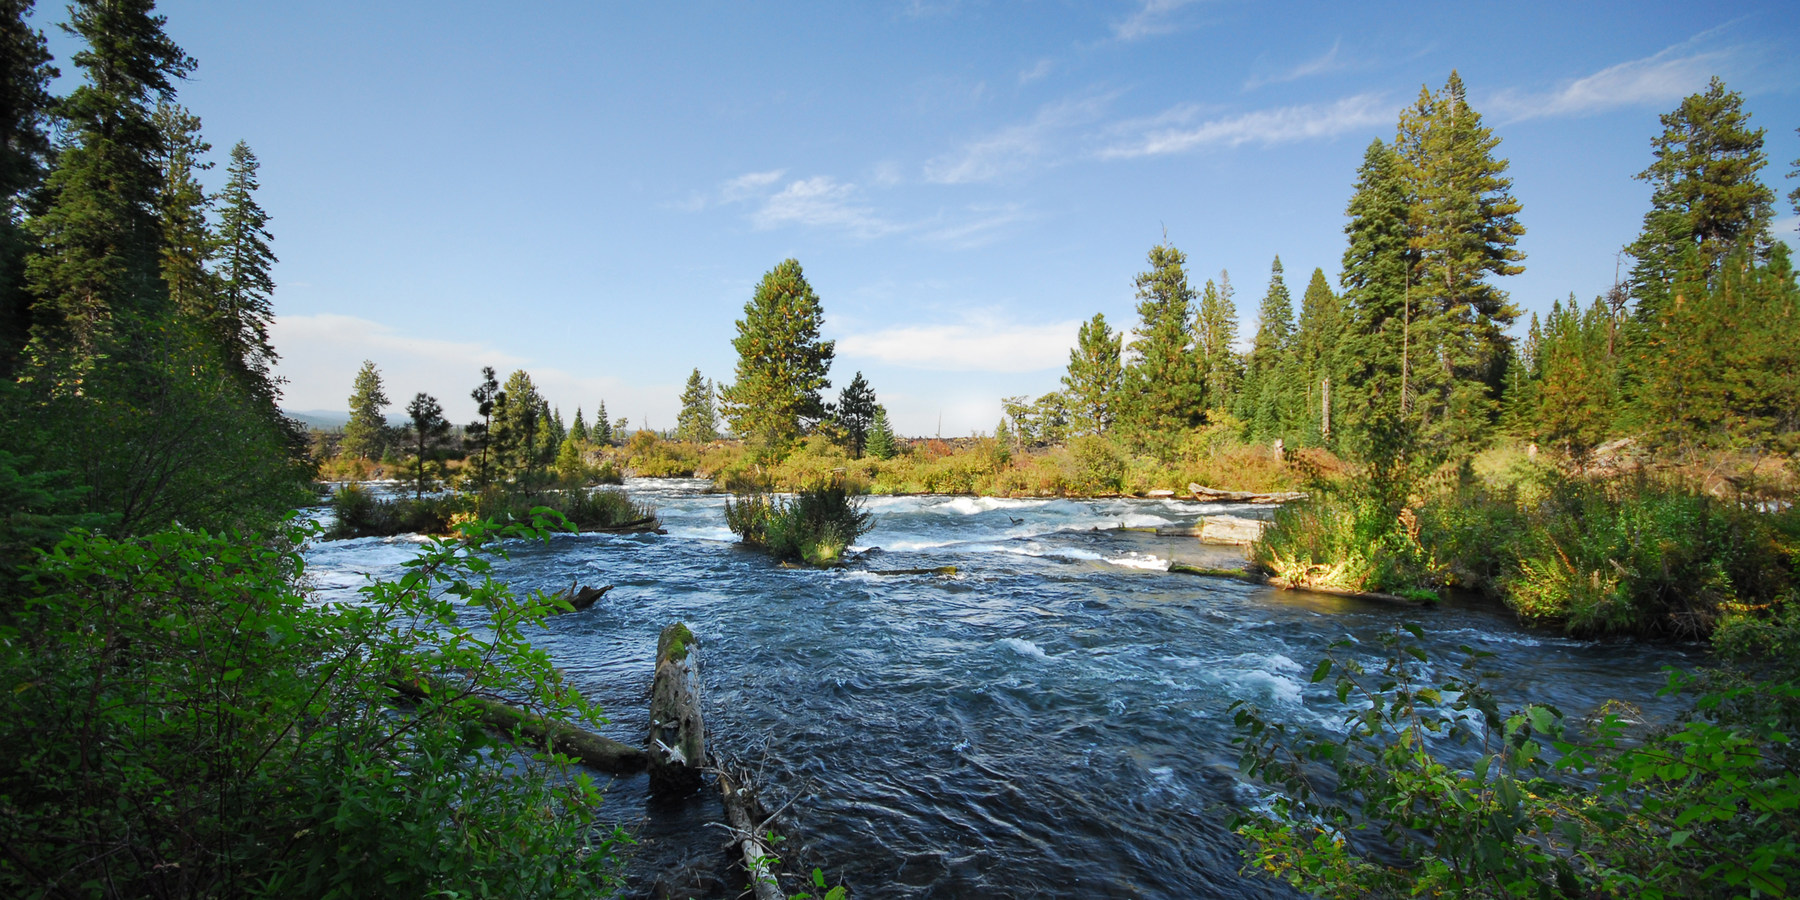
[(814, 526), (584, 508), (181, 719), (357, 513)]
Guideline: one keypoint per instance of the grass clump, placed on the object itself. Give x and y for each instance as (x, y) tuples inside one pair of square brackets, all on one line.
[(814, 526), (358, 513)]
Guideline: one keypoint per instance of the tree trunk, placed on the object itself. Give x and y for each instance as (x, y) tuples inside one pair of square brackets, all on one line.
[(586, 747), (677, 746)]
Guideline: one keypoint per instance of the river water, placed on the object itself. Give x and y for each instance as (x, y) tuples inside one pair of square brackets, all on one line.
[(1051, 721)]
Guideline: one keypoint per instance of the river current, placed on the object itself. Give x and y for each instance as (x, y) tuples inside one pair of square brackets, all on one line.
[(1050, 721)]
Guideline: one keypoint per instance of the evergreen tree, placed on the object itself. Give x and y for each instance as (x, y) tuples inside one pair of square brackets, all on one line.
[(1316, 359), (366, 434), (245, 309), (25, 111), (1094, 378), (782, 363), (480, 433), (881, 437), (521, 429), (1266, 394), (1575, 392), (698, 421), (1374, 353), (187, 242), (1162, 387), (554, 429), (426, 432), (855, 413), (99, 231), (1215, 333), (602, 432), (1794, 195), (1705, 194), (1463, 228), (579, 430)]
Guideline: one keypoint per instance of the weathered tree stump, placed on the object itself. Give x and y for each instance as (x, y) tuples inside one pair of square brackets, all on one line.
[(677, 746), (759, 863), (1214, 495), (583, 597), (1231, 530)]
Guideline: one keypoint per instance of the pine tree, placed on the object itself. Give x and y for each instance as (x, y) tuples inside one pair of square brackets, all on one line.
[(99, 232), (1315, 359), (521, 429), (1163, 393), (1574, 395), (187, 241), (481, 433), (426, 432), (1094, 377), (579, 430), (1376, 349), (25, 107), (1215, 333), (1794, 195), (698, 421), (246, 309), (1266, 393), (856, 413), (1705, 194), (366, 435), (602, 432), (782, 363), (881, 437), (1464, 230)]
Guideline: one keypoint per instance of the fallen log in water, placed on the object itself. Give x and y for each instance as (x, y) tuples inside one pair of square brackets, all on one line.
[(677, 733), (1253, 578), (940, 570), (759, 863), (584, 746), (1215, 495), (583, 597)]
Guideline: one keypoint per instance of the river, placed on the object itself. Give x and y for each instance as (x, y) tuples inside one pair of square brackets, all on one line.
[(1051, 721)]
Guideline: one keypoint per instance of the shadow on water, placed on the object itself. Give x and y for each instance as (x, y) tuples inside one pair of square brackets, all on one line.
[(1051, 721)]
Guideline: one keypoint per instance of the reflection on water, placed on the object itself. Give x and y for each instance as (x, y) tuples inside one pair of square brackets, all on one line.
[(1051, 721)]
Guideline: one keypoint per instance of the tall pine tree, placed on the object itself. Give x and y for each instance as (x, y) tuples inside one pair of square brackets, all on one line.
[(100, 233), (782, 363), (367, 435), (1265, 401), (25, 110), (245, 307), (1094, 377), (1215, 339), (856, 413), (1316, 372), (1376, 349), (698, 421), (1162, 391)]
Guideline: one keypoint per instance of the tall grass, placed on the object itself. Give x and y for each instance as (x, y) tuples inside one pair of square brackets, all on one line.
[(815, 526)]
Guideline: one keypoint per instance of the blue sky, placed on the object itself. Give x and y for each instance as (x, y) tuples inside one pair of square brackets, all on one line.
[(591, 191)]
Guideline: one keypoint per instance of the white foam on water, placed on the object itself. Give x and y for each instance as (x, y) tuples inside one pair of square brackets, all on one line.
[(1140, 561), (1024, 648)]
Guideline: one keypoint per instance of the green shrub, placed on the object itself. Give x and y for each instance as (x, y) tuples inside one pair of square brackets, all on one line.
[(587, 509), (181, 720), (358, 514), (814, 526), (1343, 538)]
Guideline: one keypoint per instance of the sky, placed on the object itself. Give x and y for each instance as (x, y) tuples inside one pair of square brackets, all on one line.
[(591, 191)]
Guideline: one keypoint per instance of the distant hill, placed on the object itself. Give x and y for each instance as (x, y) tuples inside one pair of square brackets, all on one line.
[(331, 419)]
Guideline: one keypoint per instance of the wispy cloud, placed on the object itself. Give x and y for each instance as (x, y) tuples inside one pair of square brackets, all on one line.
[(1017, 147), (978, 226), (1152, 17), (1170, 132), (1660, 78), (1037, 72), (980, 344), (821, 201), (748, 185), (1330, 61)]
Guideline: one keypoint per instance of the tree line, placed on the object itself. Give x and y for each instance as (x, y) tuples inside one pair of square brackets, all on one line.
[(1411, 356)]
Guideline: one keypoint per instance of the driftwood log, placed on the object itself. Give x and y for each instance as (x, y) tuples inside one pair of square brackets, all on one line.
[(588, 748), (583, 597), (1254, 578), (758, 861), (677, 733), (1215, 495)]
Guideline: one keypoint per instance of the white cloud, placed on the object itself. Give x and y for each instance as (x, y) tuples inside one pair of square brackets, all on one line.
[(320, 355), (1784, 228), (1151, 18), (1017, 147), (820, 201), (1037, 72), (983, 226), (981, 344), (1329, 62), (748, 185), (1661, 78), (1166, 134)]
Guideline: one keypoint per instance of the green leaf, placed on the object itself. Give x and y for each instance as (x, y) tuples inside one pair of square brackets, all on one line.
[(1323, 669)]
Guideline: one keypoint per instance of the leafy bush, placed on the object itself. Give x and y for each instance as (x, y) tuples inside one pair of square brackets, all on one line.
[(358, 514), (598, 508), (1343, 538), (1708, 809), (182, 720), (814, 526)]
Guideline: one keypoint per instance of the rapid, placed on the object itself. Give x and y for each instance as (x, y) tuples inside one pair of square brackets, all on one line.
[(1050, 721)]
